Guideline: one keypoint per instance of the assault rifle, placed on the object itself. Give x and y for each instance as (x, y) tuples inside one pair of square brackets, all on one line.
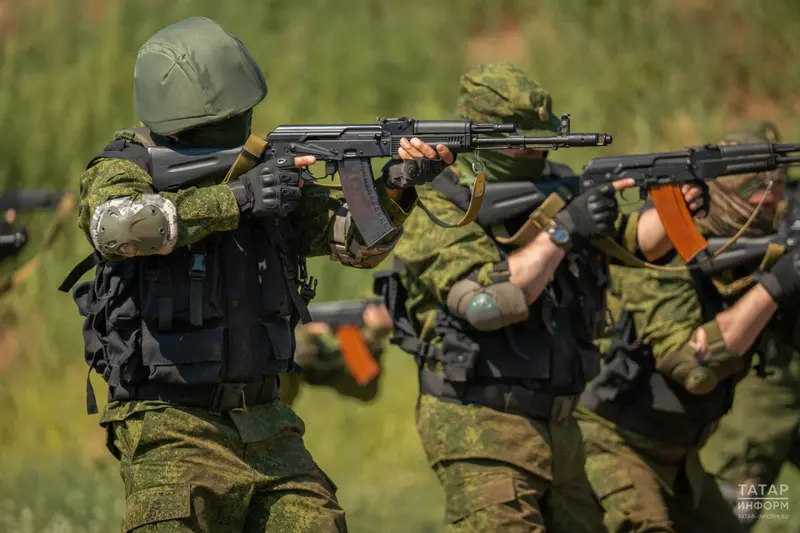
[(348, 149), (749, 252), (29, 199), (346, 320), (658, 174), (12, 240), (661, 175)]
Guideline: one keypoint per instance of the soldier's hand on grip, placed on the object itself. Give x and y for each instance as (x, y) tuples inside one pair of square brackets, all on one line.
[(591, 214), (782, 282), (270, 189)]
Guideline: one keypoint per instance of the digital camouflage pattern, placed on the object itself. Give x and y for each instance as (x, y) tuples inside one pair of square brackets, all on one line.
[(761, 434), (320, 358), (495, 468), (647, 487), (185, 470), (204, 210), (504, 472), (642, 482), (501, 92)]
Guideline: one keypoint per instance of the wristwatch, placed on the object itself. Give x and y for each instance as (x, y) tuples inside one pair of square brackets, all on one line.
[(559, 235)]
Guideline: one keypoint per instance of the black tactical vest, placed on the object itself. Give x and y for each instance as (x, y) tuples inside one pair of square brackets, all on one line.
[(209, 324), (551, 352), (633, 395)]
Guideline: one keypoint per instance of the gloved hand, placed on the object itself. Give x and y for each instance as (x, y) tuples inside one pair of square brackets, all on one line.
[(418, 164), (270, 189), (591, 214), (782, 282)]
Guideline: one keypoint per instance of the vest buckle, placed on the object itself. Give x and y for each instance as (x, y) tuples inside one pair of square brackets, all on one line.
[(198, 268)]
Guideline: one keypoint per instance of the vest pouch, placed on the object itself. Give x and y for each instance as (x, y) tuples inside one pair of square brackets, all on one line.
[(517, 352), (181, 358), (590, 361), (459, 354), (176, 285)]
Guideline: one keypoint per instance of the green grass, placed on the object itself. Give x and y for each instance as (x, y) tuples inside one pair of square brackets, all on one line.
[(657, 74)]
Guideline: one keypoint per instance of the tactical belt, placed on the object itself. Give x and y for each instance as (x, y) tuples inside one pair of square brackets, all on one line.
[(216, 398), (661, 426), (512, 399)]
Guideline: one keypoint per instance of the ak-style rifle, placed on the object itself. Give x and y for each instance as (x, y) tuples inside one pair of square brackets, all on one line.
[(346, 320)]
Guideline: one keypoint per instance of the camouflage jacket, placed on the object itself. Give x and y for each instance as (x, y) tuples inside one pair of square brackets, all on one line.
[(202, 211), (666, 308), (436, 258)]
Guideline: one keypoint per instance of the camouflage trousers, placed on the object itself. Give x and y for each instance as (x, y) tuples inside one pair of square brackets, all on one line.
[(760, 435), (650, 487), (507, 473), (186, 470)]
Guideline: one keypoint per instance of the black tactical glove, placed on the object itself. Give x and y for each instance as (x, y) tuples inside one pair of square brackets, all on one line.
[(271, 188), (408, 173), (591, 214), (782, 282)]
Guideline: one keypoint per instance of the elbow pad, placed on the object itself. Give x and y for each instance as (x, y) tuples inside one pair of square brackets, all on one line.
[(701, 377), (128, 228), (488, 308)]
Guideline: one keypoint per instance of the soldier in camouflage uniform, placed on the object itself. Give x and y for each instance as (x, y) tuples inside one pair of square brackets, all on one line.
[(762, 431), (190, 316), (503, 337), (681, 342), (320, 357)]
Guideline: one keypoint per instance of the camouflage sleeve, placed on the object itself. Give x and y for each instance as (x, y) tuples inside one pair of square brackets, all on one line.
[(626, 232), (664, 305), (316, 217), (438, 257), (200, 211)]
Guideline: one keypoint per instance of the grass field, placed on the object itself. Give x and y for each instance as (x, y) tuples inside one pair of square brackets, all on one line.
[(657, 74)]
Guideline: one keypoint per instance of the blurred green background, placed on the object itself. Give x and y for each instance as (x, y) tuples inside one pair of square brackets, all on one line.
[(657, 74)]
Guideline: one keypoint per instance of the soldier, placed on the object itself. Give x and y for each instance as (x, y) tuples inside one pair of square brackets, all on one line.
[(681, 342), (319, 356), (761, 433), (503, 337), (190, 316)]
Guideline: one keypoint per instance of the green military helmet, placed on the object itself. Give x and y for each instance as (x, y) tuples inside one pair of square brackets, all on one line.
[(194, 73), (501, 92)]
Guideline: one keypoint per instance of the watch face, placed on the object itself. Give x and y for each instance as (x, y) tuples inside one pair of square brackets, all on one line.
[(559, 235)]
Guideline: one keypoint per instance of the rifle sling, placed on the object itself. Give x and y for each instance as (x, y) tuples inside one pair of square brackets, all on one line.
[(537, 221), (773, 253), (475, 203), (248, 157)]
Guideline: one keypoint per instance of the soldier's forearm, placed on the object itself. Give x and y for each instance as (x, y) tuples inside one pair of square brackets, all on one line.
[(742, 323), (204, 211), (652, 237), (533, 266)]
